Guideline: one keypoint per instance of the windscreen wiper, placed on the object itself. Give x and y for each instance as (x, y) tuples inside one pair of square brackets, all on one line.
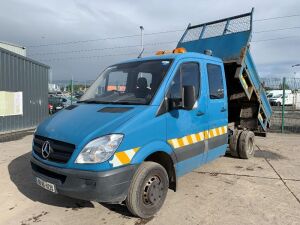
[(92, 101), (127, 103)]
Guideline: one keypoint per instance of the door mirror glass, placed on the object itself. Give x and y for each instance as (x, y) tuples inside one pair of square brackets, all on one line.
[(189, 97)]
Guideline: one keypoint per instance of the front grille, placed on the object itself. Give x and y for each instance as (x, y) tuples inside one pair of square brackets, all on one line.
[(61, 151)]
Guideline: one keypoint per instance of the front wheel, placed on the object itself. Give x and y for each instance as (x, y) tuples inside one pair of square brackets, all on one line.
[(148, 190)]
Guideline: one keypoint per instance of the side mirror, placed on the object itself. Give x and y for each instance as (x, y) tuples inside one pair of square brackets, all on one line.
[(189, 97)]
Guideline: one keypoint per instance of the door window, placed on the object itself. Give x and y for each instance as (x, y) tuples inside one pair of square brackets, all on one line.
[(187, 74), (215, 81)]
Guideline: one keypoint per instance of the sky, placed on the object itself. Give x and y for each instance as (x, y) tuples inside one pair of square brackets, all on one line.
[(77, 38)]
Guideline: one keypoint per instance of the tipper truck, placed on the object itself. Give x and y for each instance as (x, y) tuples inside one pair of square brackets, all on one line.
[(148, 121)]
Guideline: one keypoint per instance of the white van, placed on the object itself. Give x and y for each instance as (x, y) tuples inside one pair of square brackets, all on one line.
[(275, 97), (273, 93)]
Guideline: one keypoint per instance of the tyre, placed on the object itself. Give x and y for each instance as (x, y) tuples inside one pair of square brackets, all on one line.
[(233, 143), (148, 190), (246, 144)]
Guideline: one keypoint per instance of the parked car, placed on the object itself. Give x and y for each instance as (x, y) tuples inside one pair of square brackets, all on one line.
[(54, 104), (66, 101), (55, 93)]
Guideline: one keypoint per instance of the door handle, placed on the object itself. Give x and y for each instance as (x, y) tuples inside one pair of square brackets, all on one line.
[(223, 109), (200, 113)]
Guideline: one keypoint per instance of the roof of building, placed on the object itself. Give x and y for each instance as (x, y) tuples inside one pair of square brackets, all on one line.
[(12, 44)]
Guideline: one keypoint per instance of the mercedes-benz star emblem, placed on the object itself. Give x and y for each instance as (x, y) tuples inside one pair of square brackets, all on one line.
[(46, 149)]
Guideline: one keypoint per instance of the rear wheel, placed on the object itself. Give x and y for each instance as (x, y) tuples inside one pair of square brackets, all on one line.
[(233, 143), (246, 144), (148, 190)]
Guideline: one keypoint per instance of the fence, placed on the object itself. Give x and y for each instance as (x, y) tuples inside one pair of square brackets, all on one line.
[(284, 97)]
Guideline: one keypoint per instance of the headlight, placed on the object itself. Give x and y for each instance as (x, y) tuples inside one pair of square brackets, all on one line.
[(100, 149)]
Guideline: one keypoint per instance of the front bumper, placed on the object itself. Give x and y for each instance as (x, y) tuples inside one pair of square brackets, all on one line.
[(107, 186)]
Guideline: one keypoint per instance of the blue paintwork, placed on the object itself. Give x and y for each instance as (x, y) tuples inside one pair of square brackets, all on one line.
[(231, 46), (216, 115), (182, 122), (188, 165), (221, 46), (251, 68), (141, 127)]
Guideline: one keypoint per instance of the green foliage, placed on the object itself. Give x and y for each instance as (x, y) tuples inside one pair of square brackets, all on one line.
[(76, 87)]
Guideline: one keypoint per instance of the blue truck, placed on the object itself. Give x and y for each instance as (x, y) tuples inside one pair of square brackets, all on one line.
[(148, 121)]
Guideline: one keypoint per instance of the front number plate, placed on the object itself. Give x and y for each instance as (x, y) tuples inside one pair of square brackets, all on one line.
[(46, 185)]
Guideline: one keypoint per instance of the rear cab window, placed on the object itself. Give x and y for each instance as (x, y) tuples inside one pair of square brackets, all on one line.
[(215, 81)]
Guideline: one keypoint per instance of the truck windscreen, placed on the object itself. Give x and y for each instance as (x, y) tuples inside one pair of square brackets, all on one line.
[(128, 83)]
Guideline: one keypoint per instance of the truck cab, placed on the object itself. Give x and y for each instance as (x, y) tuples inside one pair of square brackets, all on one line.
[(144, 123)]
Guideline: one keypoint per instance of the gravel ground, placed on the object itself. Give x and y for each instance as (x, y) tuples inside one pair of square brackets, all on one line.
[(263, 190)]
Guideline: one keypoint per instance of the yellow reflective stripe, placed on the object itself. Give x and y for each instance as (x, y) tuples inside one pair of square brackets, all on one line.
[(123, 158), (180, 142), (206, 136), (217, 131), (190, 140), (194, 138), (136, 149), (211, 133), (223, 130), (198, 137)]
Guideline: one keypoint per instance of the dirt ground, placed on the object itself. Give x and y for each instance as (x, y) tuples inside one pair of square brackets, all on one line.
[(263, 190)]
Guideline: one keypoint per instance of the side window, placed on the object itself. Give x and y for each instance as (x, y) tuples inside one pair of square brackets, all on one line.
[(147, 76), (186, 75), (190, 75), (215, 81), (117, 81)]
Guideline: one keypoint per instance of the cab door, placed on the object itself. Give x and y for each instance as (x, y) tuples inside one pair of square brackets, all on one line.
[(183, 126), (217, 111)]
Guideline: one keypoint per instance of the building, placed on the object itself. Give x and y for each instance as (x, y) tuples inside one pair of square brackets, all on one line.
[(20, 50), (23, 90)]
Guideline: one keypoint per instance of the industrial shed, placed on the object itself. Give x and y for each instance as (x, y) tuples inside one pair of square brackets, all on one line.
[(23, 92)]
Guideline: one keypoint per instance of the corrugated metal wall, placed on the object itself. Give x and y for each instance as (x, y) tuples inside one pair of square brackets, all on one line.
[(18, 73)]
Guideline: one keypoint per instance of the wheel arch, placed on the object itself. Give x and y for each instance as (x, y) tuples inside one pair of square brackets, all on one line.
[(161, 153)]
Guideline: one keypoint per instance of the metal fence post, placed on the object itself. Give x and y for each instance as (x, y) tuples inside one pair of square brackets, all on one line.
[(72, 91), (283, 105)]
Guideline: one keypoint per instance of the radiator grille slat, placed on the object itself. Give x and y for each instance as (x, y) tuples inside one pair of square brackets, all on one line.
[(61, 151)]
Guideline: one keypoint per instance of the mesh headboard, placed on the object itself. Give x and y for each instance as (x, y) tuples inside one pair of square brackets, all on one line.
[(225, 37)]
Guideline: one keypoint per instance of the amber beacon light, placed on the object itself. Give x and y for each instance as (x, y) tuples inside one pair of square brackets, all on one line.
[(175, 51)]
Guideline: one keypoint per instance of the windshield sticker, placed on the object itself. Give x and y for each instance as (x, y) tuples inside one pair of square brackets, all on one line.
[(165, 62)]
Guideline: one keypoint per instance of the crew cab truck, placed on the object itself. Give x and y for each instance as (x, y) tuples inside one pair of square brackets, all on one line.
[(145, 122)]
